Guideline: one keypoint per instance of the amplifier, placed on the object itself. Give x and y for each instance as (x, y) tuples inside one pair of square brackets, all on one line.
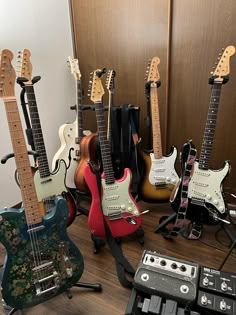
[(168, 277)]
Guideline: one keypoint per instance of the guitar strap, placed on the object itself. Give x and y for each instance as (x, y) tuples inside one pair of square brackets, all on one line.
[(125, 271), (193, 231)]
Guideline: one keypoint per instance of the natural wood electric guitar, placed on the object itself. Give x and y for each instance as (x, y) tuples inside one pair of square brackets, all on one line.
[(160, 176), (42, 261), (206, 202), (48, 185), (115, 204), (71, 134)]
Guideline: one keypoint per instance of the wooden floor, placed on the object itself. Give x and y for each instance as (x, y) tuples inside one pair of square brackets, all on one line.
[(210, 251)]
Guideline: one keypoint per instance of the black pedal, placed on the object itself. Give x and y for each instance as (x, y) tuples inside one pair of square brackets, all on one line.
[(217, 291), (167, 277)]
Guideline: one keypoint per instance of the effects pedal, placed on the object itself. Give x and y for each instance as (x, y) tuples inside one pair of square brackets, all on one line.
[(167, 277), (217, 291)]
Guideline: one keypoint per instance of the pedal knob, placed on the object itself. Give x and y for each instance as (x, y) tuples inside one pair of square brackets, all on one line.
[(204, 300), (224, 286), (205, 282), (215, 202), (223, 305)]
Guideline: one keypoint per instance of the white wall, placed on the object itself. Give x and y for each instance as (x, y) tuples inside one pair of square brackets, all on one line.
[(44, 28)]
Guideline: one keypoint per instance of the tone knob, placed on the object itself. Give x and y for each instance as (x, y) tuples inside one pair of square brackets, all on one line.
[(221, 208), (205, 281), (224, 286), (215, 202), (122, 207), (167, 178), (130, 209), (204, 300), (208, 197)]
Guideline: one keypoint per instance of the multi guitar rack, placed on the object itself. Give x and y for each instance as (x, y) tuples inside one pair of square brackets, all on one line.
[(169, 286)]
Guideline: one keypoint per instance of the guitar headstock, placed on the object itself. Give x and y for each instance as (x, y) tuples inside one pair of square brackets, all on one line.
[(74, 68), (7, 74), (222, 66), (97, 90), (110, 80), (152, 70), (25, 64)]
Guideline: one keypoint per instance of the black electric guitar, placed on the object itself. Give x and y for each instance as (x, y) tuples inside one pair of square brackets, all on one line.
[(206, 203), (42, 262), (48, 185)]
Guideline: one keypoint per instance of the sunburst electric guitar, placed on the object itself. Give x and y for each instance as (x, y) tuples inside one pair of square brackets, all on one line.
[(116, 204), (160, 176), (42, 262), (206, 202), (71, 134), (48, 185)]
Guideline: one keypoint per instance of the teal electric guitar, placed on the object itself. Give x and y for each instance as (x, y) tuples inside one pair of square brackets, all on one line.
[(42, 262)]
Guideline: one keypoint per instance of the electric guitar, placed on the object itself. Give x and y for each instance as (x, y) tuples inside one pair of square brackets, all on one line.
[(206, 202), (115, 204), (160, 176), (71, 134), (42, 262), (48, 185)]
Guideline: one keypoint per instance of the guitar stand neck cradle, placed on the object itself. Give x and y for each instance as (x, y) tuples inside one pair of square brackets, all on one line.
[(97, 287)]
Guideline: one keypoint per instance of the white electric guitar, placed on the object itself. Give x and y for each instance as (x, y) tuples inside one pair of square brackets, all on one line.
[(160, 175), (71, 134), (206, 200)]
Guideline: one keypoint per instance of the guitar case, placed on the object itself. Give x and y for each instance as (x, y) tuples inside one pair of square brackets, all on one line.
[(124, 136)]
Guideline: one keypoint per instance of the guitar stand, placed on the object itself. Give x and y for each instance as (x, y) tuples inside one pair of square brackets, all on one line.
[(97, 287), (164, 223)]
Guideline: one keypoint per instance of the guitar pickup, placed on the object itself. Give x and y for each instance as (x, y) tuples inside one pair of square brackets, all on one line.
[(160, 185), (115, 216)]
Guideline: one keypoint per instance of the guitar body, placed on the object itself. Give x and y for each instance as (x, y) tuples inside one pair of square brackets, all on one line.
[(54, 185), (69, 151), (159, 177), (119, 208), (59, 262), (87, 153), (205, 198)]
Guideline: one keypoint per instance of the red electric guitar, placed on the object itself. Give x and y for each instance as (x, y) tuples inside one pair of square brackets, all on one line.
[(116, 204)]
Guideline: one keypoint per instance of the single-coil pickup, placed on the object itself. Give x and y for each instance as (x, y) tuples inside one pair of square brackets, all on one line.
[(199, 193), (160, 177), (112, 187), (200, 184), (114, 207), (196, 201), (114, 197), (202, 173), (159, 170), (160, 161)]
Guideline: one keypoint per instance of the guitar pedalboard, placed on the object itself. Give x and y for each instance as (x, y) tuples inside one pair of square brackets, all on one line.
[(167, 285)]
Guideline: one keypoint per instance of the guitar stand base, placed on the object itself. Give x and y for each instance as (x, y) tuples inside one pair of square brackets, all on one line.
[(164, 223)]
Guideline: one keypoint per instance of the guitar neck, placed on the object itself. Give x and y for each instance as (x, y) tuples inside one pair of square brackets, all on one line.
[(156, 129), (209, 132), (104, 144), (43, 166), (110, 103), (29, 196), (79, 112)]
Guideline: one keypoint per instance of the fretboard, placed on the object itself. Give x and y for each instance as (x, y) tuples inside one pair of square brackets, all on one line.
[(28, 192), (43, 166), (79, 111), (156, 129), (104, 144), (209, 132)]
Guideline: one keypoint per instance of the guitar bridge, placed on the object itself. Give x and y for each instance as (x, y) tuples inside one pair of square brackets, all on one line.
[(115, 216), (199, 202), (160, 184)]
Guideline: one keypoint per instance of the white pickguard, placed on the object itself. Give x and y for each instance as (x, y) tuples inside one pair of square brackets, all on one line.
[(69, 147), (206, 185), (116, 198), (162, 170), (52, 185)]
